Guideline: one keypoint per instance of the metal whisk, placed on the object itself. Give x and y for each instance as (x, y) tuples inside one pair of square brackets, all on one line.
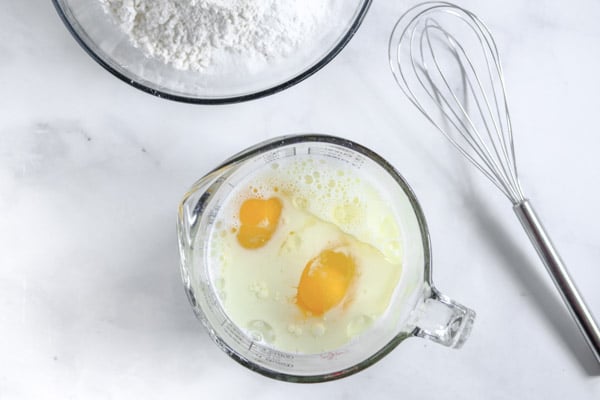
[(446, 61)]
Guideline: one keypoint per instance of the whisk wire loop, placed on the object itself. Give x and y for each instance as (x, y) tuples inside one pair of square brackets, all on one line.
[(481, 144), (482, 132)]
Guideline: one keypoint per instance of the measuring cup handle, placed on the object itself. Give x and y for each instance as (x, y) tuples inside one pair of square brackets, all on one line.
[(443, 320)]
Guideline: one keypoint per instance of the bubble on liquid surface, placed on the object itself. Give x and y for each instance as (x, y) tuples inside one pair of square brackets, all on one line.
[(300, 202), (318, 330), (260, 331), (294, 329), (260, 290), (358, 325)]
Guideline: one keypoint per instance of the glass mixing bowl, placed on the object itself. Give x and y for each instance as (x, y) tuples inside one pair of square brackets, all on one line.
[(110, 47)]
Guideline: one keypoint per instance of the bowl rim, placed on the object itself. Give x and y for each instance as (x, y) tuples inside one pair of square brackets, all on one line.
[(221, 100)]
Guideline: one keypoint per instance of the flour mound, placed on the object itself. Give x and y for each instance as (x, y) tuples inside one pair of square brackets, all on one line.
[(195, 34)]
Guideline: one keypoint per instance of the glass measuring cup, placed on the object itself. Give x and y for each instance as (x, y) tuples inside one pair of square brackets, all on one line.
[(416, 308)]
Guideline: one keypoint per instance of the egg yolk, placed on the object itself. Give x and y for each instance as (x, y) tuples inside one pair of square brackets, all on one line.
[(258, 221), (325, 282)]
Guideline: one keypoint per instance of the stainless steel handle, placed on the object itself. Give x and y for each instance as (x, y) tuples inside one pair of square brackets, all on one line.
[(558, 271)]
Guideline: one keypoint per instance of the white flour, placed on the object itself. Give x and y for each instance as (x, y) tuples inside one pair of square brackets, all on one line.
[(195, 34)]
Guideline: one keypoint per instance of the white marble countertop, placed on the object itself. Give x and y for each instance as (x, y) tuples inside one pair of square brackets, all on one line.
[(92, 170)]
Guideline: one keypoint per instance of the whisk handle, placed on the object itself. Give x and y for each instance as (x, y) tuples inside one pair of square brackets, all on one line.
[(558, 271)]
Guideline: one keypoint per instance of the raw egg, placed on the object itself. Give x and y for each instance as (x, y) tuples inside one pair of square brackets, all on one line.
[(325, 281), (258, 221)]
